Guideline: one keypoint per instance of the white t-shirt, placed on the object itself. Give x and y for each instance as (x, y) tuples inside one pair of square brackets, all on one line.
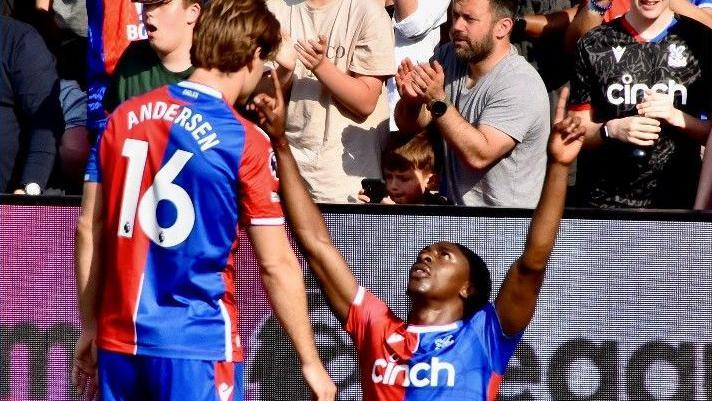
[(416, 38)]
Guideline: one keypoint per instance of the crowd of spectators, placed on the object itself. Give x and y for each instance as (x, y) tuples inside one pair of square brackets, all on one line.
[(395, 101)]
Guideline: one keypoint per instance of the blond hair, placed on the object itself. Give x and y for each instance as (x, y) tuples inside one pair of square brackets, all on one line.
[(229, 31)]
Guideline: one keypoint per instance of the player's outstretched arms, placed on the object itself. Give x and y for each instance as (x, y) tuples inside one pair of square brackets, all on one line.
[(88, 275), (327, 263), (517, 298)]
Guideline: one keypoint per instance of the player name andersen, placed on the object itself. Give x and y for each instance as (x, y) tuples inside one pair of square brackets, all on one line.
[(201, 130)]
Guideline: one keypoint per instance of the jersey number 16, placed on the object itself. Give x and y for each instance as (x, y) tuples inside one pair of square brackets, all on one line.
[(162, 189)]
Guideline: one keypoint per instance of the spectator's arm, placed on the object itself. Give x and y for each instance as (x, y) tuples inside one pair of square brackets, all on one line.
[(404, 9), (660, 107), (417, 17), (693, 127), (479, 147), (704, 189), (538, 25), (584, 20), (686, 8), (36, 86), (498, 130), (357, 93)]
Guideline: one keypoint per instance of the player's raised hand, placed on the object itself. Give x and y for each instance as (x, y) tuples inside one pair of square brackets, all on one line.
[(311, 52), (319, 382), (270, 109), (567, 135), (84, 365)]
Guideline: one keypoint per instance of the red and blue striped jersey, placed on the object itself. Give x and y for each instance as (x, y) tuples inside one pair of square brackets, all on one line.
[(179, 169), (464, 360)]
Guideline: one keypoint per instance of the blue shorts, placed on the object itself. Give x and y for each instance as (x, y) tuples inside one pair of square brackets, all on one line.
[(136, 377)]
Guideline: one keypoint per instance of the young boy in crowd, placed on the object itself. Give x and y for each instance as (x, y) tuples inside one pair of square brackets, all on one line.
[(410, 173), (163, 58)]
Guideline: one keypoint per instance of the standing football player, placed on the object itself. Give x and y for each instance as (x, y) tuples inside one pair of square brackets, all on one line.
[(175, 173)]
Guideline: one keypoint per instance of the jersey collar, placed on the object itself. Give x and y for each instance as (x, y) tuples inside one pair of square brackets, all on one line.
[(430, 329), (657, 39), (201, 88)]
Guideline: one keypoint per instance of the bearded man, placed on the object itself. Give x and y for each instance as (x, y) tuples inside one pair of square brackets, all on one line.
[(487, 103)]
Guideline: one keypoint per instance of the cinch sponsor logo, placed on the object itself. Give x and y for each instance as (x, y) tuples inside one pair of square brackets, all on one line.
[(629, 93), (421, 374)]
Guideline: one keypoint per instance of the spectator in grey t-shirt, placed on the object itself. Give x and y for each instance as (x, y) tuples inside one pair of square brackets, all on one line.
[(489, 105)]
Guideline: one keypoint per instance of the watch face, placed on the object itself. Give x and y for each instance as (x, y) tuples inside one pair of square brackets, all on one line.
[(438, 108)]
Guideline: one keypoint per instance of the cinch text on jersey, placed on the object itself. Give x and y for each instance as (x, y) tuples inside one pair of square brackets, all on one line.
[(202, 131), (630, 93), (421, 374)]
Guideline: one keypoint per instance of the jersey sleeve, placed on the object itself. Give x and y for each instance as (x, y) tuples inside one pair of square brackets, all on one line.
[(581, 80), (259, 185), (366, 310), (498, 347)]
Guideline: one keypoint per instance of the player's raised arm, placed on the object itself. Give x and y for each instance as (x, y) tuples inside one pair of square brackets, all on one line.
[(327, 263), (517, 298)]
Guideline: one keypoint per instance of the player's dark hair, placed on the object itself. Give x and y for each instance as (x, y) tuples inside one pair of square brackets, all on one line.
[(479, 278)]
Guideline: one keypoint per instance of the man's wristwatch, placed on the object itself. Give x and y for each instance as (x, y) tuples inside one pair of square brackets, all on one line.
[(438, 107), (32, 188)]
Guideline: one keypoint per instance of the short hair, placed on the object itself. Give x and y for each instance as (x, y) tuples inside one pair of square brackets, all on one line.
[(229, 31), (406, 153), (504, 8), (479, 278)]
